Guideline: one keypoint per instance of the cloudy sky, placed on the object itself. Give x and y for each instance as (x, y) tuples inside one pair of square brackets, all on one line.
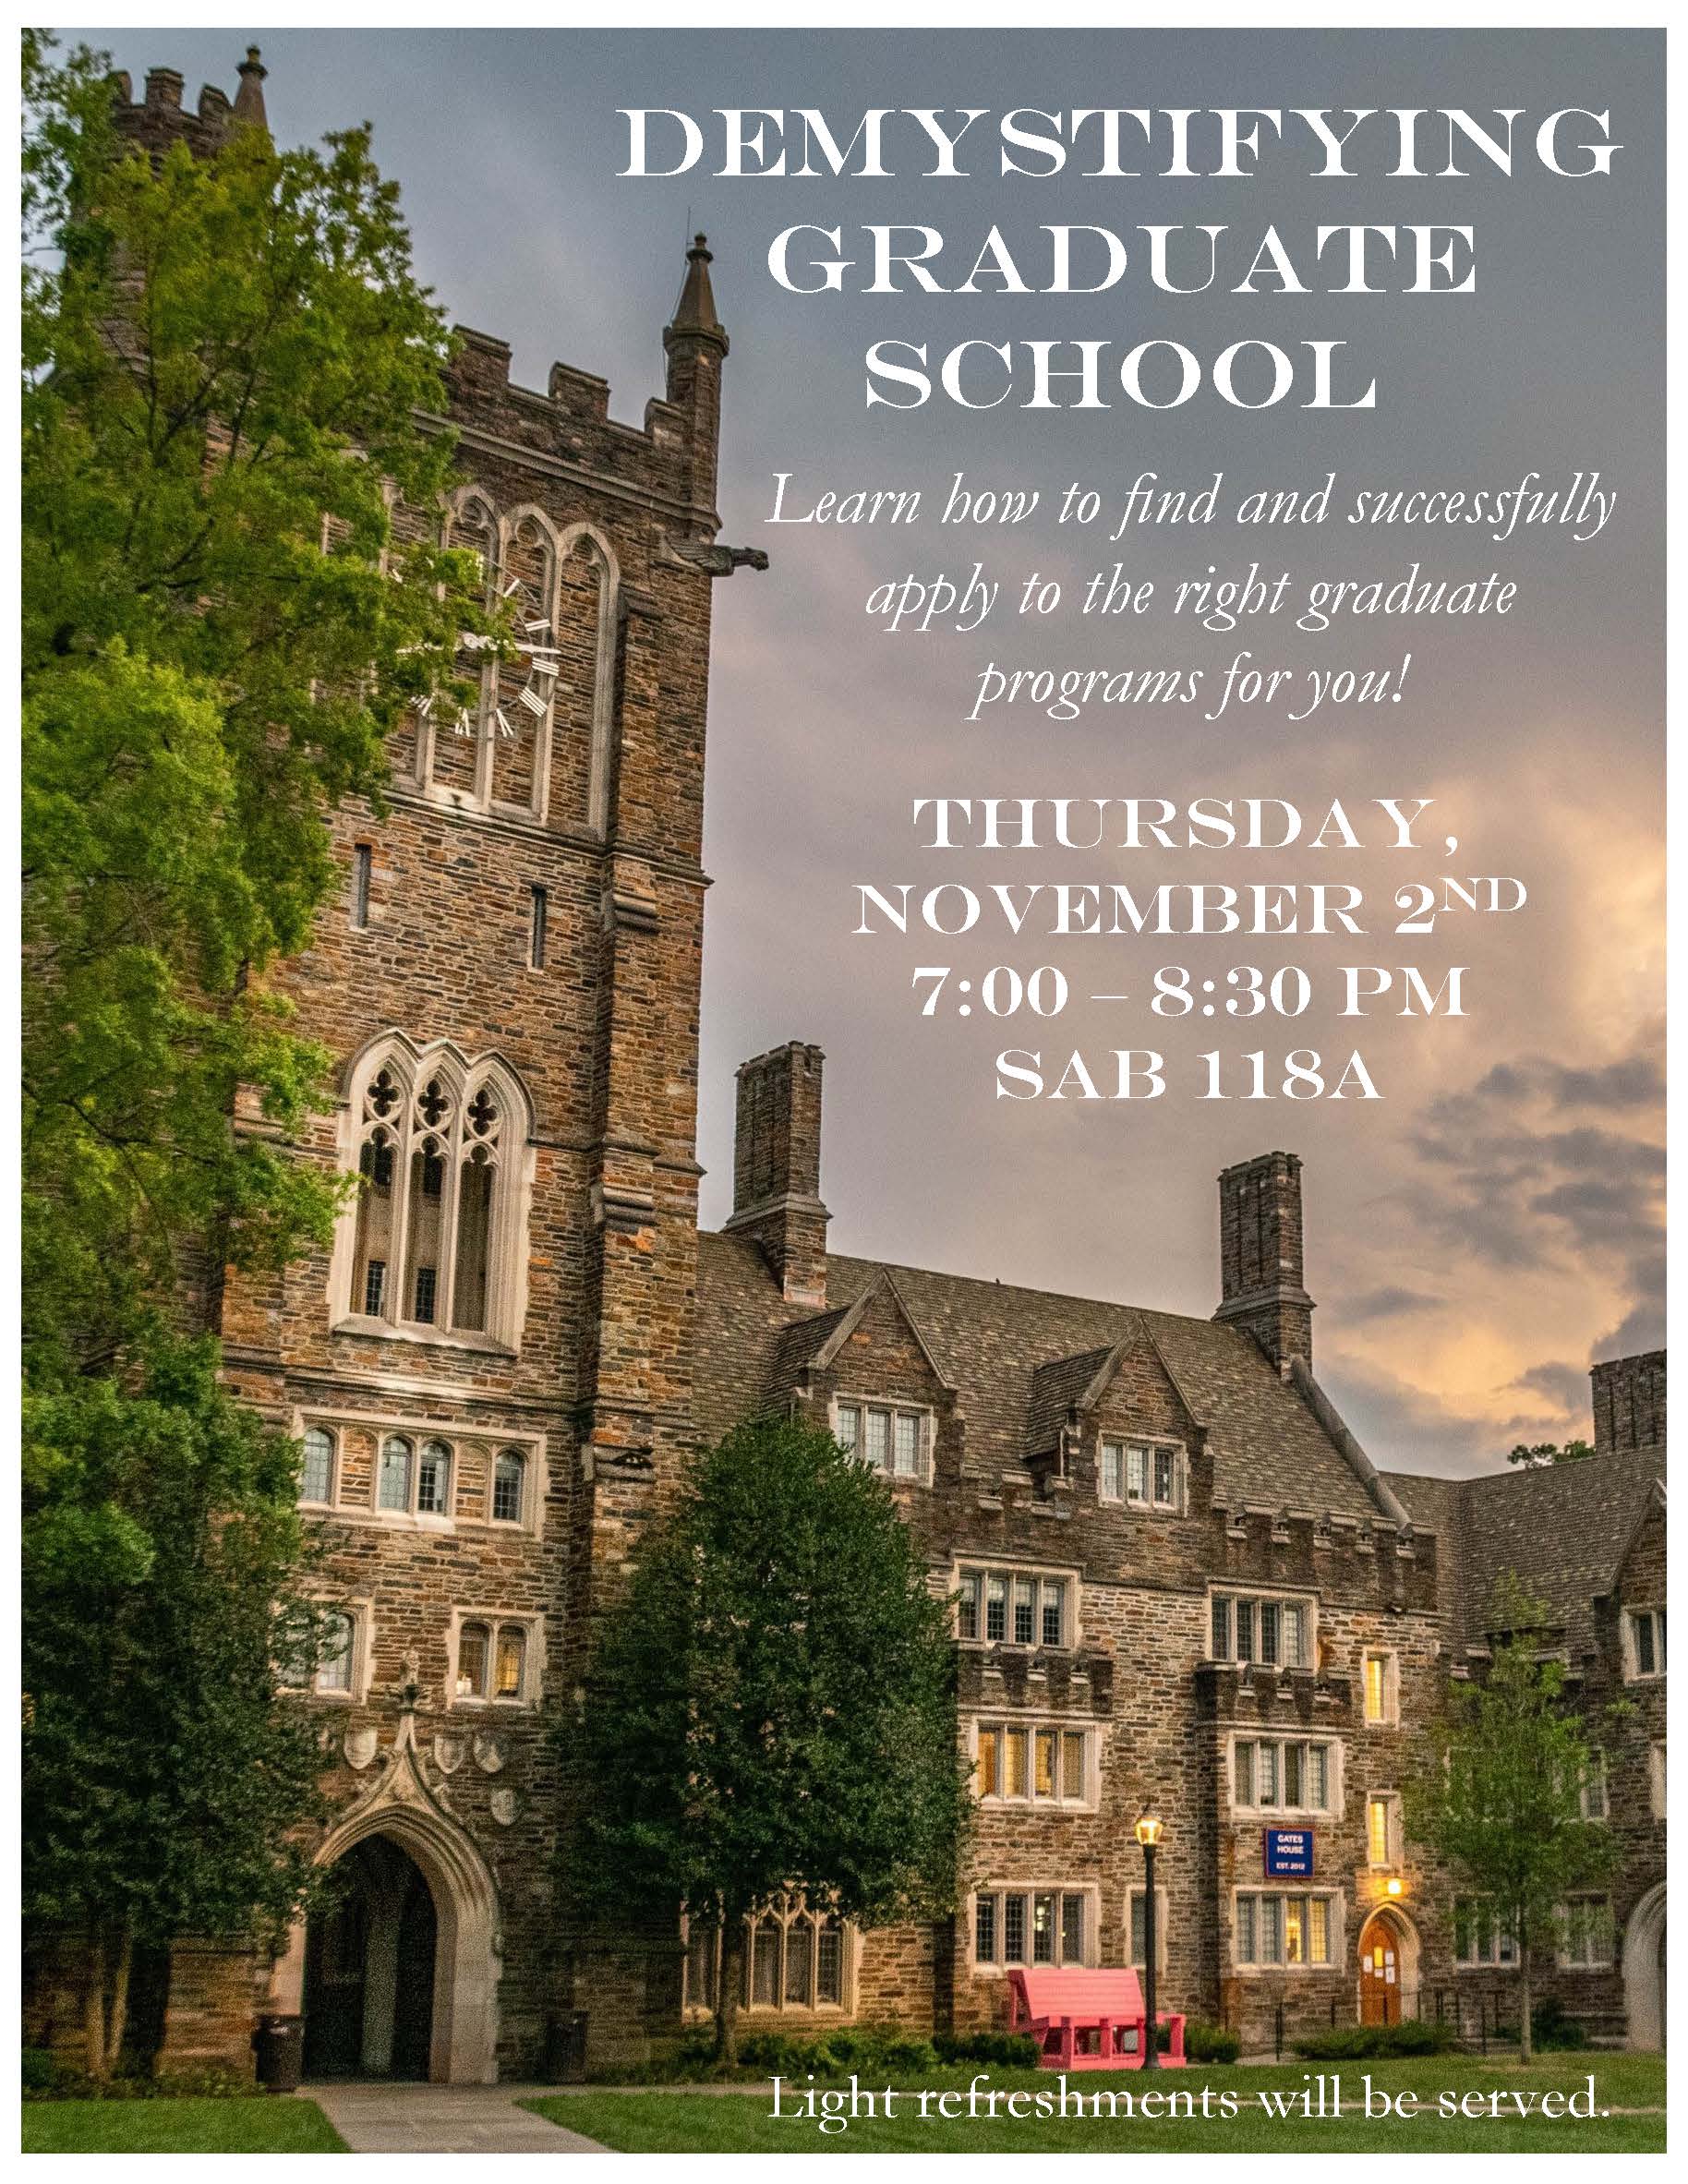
[(1491, 1225)]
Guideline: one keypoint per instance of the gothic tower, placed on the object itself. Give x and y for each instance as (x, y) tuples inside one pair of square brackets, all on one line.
[(490, 1371)]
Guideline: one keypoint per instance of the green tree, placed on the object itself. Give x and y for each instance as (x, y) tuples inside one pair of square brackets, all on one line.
[(1538, 1455), (164, 1780), (1500, 1797), (223, 363), (771, 1703)]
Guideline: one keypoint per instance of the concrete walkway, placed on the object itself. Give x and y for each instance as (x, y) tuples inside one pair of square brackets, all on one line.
[(375, 2119)]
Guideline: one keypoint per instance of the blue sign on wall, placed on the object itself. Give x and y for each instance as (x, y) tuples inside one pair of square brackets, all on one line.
[(1288, 1852)]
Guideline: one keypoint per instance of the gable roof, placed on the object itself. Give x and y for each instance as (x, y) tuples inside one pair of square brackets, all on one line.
[(1565, 1529), (1012, 1355)]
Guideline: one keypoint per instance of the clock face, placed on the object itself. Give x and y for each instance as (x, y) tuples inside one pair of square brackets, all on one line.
[(526, 687)]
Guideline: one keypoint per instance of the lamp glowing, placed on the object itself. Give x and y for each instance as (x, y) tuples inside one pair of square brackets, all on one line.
[(1149, 1832), (1392, 1886)]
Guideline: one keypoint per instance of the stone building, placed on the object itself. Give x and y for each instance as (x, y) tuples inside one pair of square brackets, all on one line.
[(1179, 1582)]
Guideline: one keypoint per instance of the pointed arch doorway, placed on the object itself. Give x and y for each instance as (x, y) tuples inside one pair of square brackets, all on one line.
[(411, 1834), (369, 1963), (1388, 1968)]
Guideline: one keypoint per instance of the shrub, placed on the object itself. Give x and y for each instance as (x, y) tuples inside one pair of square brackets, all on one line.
[(1008, 2051), (46, 2078), (1550, 2028), (1205, 2042), (1356, 2043)]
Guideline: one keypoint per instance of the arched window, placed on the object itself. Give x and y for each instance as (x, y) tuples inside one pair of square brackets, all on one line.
[(317, 1471), (434, 1480), (509, 1486), (435, 1240), (472, 1645), (334, 1653), (392, 1491)]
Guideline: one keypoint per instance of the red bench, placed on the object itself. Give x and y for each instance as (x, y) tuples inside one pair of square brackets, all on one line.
[(1061, 2009)]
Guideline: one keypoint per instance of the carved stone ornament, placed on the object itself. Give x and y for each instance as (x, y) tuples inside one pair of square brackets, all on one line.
[(360, 1746), (488, 1753), (450, 1752), (503, 1803)]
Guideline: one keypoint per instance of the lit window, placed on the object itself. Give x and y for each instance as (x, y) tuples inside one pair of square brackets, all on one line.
[(509, 1480), (435, 1240), (1379, 1676), (1249, 1628), (317, 1470), (890, 1438), (492, 1661), (1383, 1828), (1281, 1929), (1013, 1607), (1051, 1925), (1055, 1772)]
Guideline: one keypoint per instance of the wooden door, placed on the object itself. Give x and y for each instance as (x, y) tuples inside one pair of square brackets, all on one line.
[(1379, 1975)]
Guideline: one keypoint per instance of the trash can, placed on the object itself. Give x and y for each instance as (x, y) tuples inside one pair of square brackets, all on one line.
[(280, 2044), (566, 2048)]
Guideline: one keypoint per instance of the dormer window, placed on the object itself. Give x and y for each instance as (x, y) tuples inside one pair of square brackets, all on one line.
[(1143, 1474), (892, 1439)]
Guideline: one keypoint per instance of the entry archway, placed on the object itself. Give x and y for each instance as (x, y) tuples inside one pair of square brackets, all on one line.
[(463, 2032), (1644, 1970), (1388, 1967), (369, 1955)]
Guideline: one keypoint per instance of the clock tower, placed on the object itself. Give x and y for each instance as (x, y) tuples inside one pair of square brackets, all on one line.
[(491, 1370)]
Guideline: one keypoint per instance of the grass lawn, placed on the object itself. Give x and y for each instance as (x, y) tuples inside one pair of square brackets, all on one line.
[(273, 2125), (667, 2122)]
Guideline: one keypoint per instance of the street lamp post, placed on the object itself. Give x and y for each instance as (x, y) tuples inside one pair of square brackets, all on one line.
[(1148, 1835)]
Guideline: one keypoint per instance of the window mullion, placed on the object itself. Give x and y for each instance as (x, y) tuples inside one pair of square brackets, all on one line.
[(445, 1310), (398, 1266)]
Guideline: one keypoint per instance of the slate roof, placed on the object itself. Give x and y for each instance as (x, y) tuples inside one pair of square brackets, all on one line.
[(1011, 1354), (1055, 1387), (1563, 1529)]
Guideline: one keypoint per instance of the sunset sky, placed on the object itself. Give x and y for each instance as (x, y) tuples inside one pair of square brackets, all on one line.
[(1494, 1223)]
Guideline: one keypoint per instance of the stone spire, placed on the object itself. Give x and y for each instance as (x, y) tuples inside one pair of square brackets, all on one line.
[(696, 342), (249, 98), (695, 313)]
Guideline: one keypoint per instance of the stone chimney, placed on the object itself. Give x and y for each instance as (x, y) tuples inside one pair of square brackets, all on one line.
[(1629, 1403), (776, 1168), (1260, 1257)]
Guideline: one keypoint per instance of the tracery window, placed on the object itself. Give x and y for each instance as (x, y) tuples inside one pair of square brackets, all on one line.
[(436, 1235), (554, 692), (793, 1958)]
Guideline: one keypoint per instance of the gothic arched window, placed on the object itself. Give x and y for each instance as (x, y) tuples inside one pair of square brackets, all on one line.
[(509, 1484), (317, 1471), (435, 1240)]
